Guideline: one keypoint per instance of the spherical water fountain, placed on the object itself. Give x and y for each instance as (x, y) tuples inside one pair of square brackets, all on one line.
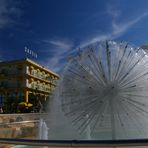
[(104, 91)]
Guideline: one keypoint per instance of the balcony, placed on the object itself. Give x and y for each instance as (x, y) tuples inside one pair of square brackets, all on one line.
[(8, 85), (12, 74), (40, 87), (42, 76)]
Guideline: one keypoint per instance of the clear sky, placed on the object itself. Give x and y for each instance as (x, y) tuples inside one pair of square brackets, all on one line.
[(55, 28)]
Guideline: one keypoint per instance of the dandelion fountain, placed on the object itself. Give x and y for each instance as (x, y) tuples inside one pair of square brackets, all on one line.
[(103, 93)]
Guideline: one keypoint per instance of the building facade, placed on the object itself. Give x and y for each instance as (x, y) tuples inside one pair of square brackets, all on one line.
[(25, 81)]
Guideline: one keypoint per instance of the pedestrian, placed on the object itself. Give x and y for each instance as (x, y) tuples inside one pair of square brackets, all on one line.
[(1, 110)]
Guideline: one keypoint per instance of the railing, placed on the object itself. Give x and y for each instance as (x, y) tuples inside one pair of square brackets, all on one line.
[(20, 122), (76, 143), (33, 141), (20, 125)]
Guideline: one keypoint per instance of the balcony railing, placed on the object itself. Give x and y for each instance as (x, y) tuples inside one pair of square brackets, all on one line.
[(12, 73), (39, 87)]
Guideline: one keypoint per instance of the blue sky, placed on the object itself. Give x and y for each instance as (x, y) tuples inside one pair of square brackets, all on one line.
[(55, 28)]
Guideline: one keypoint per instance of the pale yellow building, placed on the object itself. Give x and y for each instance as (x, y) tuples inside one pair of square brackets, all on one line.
[(22, 79), (144, 47)]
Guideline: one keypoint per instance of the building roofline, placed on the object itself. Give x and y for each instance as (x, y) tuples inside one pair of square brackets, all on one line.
[(29, 61), (40, 66), (144, 47)]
